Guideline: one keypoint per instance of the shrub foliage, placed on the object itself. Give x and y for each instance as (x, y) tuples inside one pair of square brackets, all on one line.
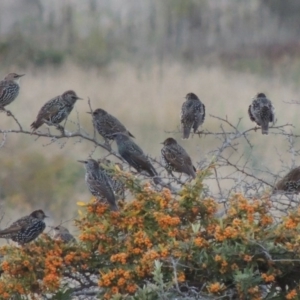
[(163, 245)]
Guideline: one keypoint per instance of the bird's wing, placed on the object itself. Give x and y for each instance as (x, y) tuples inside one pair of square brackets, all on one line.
[(174, 156), (250, 113), (134, 148), (4, 87), (272, 110), (50, 108), (186, 110), (254, 111), (103, 188), (16, 226), (137, 159), (179, 160), (114, 125), (187, 118), (293, 175), (199, 116)]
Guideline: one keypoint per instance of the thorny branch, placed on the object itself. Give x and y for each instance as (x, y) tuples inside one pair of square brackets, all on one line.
[(230, 138)]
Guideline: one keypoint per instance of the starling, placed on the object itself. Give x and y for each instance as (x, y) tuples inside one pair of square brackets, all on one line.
[(133, 154), (176, 159), (192, 114), (99, 184), (56, 110), (290, 183), (61, 233), (117, 184), (9, 89), (25, 229), (106, 124), (261, 111)]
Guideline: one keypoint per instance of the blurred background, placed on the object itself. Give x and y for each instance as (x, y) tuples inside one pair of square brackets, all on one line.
[(137, 60)]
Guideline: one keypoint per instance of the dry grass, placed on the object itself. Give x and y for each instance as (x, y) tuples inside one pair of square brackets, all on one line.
[(148, 103)]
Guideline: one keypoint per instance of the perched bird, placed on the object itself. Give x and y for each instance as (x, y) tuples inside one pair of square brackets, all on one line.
[(9, 89), (290, 183), (192, 114), (133, 154), (61, 233), (262, 112), (176, 159), (99, 184), (117, 184), (56, 110), (106, 124), (25, 229)]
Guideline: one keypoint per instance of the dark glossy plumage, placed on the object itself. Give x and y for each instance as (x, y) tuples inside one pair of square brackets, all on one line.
[(192, 114), (290, 183), (176, 158), (25, 229), (61, 233), (261, 111), (106, 124), (117, 184), (9, 88), (133, 154), (56, 110), (99, 184)]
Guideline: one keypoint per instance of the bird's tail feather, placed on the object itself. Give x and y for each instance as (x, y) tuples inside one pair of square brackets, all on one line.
[(193, 172), (186, 132), (114, 207), (265, 128), (35, 125)]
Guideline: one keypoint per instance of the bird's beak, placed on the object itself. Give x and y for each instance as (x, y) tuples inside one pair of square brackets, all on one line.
[(89, 112), (78, 98), (21, 75), (82, 161), (162, 143), (47, 216)]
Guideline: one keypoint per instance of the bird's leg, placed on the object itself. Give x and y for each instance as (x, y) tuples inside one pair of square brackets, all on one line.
[(170, 173), (199, 132), (8, 113), (61, 129), (57, 126), (106, 143)]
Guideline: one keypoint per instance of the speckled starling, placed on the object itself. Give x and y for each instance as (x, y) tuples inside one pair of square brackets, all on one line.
[(176, 159), (290, 183), (262, 112), (117, 184), (61, 233), (25, 229), (56, 110), (9, 89), (133, 154), (99, 183), (192, 114), (106, 124)]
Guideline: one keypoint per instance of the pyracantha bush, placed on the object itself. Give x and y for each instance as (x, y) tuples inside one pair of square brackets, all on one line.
[(163, 245)]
